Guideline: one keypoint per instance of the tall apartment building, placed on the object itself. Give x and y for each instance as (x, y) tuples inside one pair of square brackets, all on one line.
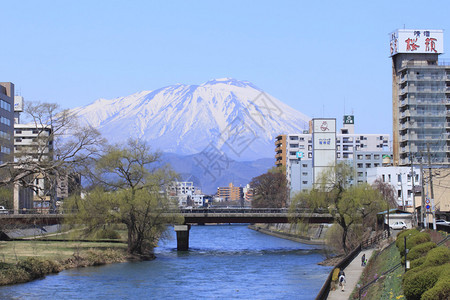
[(420, 98), (32, 143), (401, 180), (230, 193), (363, 151), (6, 120)]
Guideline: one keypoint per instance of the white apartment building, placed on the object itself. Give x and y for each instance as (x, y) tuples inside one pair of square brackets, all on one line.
[(402, 181), (363, 151), (32, 143), (186, 194)]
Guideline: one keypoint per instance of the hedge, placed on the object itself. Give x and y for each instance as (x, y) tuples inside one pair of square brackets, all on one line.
[(417, 262), (437, 256), (440, 291), (411, 241), (404, 233), (420, 250), (419, 282)]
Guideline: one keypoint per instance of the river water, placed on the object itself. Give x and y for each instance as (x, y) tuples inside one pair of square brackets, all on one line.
[(224, 262)]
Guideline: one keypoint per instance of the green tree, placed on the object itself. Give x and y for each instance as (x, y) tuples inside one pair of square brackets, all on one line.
[(351, 206), (270, 190), (130, 190)]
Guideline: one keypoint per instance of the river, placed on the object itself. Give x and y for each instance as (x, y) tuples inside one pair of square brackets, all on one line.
[(224, 262)]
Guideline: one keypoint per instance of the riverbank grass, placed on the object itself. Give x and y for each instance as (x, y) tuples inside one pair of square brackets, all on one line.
[(13, 251), (26, 260), (388, 286)]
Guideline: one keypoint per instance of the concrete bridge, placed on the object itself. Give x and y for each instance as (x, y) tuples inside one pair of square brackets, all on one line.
[(195, 216)]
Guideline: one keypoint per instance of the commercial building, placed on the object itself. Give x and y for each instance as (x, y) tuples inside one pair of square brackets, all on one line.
[(6, 121), (420, 98), (295, 152)]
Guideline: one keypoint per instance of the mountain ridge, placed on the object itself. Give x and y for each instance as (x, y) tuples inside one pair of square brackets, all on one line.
[(186, 119)]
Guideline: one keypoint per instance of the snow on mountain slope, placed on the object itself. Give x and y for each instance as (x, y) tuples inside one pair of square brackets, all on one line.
[(227, 115)]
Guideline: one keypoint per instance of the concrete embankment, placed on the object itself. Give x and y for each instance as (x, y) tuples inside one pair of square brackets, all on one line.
[(313, 236)]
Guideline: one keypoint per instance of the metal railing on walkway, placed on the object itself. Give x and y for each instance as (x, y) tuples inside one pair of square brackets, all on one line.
[(365, 287), (325, 290)]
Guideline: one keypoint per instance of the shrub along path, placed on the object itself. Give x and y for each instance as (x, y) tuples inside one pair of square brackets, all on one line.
[(352, 274)]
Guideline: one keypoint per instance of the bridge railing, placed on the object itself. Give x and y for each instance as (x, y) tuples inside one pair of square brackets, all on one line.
[(215, 210), (246, 210)]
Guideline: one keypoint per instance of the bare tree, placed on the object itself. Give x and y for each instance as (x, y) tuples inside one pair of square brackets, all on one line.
[(270, 190), (59, 146), (388, 191)]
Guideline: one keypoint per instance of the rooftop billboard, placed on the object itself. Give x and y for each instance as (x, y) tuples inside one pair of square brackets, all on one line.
[(417, 41)]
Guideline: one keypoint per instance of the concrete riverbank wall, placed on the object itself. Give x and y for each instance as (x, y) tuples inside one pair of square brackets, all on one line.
[(313, 235)]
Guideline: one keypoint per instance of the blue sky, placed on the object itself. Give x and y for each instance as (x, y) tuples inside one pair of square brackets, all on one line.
[(322, 58)]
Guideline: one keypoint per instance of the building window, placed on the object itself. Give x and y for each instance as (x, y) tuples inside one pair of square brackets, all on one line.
[(368, 156), (376, 156), (368, 165), (359, 165), (359, 156), (309, 155), (338, 155), (384, 178)]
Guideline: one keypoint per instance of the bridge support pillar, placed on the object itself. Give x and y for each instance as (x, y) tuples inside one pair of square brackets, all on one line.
[(182, 236)]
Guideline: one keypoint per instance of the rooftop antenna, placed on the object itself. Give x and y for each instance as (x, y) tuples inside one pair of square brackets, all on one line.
[(344, 106)]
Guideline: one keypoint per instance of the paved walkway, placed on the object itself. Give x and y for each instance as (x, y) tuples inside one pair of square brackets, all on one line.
[(352, 274)]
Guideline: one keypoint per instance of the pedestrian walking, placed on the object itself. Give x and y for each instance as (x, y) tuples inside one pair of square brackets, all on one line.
[(342, 281), (363, 260)]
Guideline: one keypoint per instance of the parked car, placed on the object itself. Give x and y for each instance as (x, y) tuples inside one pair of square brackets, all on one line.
[(3, 210), (398, 225), (442, 222)]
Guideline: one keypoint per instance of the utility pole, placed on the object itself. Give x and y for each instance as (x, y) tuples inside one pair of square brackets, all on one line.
[(422, 208), (411, 158), (431, 182)]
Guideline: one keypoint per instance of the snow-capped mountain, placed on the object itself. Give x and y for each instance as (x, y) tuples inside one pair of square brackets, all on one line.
[(222, 117)]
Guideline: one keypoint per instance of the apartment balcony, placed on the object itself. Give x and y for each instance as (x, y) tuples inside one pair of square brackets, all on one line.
[(278, 142), (405, 114), (279, 156)]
